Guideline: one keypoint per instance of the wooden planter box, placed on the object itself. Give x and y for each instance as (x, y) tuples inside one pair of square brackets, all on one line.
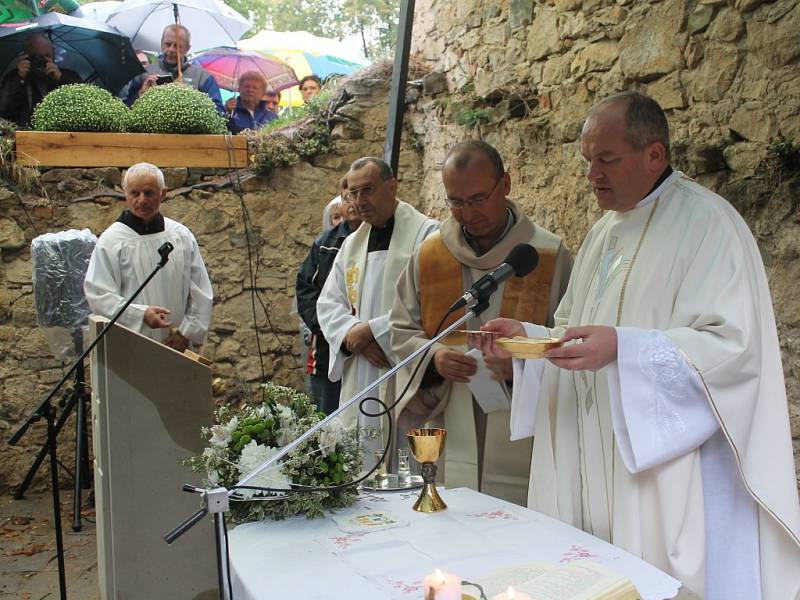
[(72, 149)]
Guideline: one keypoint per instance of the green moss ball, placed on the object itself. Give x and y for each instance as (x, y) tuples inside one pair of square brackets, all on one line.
[(175, 108), (79, 107)]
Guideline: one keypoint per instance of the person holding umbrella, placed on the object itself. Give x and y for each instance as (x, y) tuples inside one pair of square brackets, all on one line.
[(175, 43), (36, 76)]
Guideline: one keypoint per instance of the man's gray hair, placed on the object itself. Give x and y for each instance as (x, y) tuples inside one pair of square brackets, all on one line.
[(144, 169), (645, 121), (177, 27), (461, 154), (384, 170)]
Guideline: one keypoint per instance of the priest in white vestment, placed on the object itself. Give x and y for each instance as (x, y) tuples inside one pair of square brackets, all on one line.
[(483, 228), (663, 425), (353, 307), (175, 306)]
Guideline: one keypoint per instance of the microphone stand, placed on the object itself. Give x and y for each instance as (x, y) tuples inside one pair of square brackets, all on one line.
[(212, 499), (46, 410)]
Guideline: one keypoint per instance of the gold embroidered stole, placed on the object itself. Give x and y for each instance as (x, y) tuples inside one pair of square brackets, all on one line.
[(441, 283)]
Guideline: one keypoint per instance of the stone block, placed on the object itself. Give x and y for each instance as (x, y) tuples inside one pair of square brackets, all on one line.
[(699, 19), (11, 235), (748, 5), (654, 46), (727, 26), (109, 176), (56, 175), (495, 34), (556, 69), (175, 177), (778, 43), (573, 26), (599, 56), (543, 36), (693, 53), (744, 157), (754, 122), (668, 91), (716, 73), (520, 13), (434, 83)]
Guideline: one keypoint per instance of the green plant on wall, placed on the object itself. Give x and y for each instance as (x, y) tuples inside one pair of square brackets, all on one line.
[(472, 118)]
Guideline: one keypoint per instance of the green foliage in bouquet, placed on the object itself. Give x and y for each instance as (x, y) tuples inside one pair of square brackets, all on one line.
[(79, 107), (175, 108), (245, 437)]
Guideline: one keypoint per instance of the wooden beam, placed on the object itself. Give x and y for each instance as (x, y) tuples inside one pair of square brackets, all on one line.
[(74, 149)]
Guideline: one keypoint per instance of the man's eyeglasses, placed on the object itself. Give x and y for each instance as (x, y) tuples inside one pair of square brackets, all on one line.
[(367, 191), (475, 201)]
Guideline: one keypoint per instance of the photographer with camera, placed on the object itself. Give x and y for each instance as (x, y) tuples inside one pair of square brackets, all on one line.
[(36, 76), (175, 42)]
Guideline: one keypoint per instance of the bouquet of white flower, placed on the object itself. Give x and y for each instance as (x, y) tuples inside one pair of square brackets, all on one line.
[(244, 438)]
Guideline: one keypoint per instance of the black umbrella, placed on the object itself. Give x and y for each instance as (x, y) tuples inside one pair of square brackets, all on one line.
[(97, 52)]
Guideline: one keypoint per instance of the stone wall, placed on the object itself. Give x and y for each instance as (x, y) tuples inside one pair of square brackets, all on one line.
[(281, 215), (524, 72)]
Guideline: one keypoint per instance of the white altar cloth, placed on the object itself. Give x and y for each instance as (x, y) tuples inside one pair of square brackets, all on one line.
[(477, 534)]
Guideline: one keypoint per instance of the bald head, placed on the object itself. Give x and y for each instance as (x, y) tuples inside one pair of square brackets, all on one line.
[(37, 44)]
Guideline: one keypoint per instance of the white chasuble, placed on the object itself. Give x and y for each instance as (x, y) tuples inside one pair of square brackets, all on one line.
[(123, 259), (680, 450)]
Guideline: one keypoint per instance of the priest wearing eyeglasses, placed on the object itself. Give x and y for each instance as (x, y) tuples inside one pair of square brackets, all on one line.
[(353, 307), (483, 228)]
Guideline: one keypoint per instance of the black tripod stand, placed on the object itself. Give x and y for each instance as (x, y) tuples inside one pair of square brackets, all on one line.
[(46, 410), (79, 397)]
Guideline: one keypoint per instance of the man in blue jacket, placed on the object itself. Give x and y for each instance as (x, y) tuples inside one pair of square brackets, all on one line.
[(175, 41)]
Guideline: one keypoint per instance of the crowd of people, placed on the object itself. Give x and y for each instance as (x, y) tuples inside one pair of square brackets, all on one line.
[(37, 74), (660, 421)]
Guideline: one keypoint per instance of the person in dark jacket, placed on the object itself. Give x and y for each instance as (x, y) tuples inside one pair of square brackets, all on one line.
[(310, 279), (36, 76)]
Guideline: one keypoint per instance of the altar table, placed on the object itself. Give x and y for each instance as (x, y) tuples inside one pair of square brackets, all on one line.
[(477, 534)]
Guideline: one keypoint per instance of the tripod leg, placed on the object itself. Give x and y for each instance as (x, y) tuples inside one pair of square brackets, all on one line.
[(62, 419), (81, 451), (80, 440), (51, 444)]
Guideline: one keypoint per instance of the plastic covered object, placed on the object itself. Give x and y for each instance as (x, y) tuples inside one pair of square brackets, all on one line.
[(59, 262)]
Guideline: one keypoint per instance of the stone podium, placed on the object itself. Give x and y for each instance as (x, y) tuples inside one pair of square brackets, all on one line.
[(148, 405)]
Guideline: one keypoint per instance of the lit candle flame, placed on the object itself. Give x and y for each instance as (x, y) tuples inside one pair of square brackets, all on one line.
[(510, 593), (439, 577)]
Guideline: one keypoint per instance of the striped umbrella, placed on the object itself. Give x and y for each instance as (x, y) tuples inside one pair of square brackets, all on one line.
[(226, 64)]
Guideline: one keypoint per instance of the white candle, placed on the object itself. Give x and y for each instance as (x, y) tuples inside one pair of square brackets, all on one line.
[(441, 586), (511, 594)]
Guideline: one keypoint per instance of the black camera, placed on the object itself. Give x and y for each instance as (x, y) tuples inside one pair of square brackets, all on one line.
[(164, 79), (38, 62)]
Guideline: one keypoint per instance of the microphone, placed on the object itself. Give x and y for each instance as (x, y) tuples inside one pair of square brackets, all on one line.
[(164, 251), (522, 259)]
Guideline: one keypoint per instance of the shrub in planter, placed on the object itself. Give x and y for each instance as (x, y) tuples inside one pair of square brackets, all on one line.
[(175, 108), (79, 107)]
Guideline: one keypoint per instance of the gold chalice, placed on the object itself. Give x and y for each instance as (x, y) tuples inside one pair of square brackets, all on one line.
[(426, 445)]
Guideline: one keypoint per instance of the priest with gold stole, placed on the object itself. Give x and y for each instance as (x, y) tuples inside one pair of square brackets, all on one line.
[(353, 307), (661, 423), (484, 226)]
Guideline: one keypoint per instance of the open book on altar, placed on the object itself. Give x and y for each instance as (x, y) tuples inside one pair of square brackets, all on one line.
[(579, 580)]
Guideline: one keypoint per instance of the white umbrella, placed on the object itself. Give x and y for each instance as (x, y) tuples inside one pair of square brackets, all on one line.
[(98, 11), (211, 22)]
